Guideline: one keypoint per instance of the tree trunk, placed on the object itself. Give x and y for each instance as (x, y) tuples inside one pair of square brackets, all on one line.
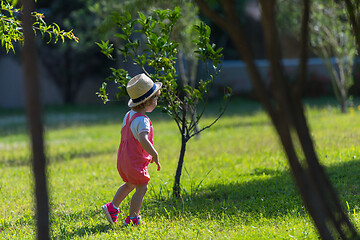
[(176, 188), (343, 104), (184, 76), (353, 10), (33, 108)]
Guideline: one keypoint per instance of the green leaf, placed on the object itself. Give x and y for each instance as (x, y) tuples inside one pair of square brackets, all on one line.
[(122, 36), (142, 17)]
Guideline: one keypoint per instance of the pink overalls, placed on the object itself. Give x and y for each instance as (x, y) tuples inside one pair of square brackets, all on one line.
[(132, 159)]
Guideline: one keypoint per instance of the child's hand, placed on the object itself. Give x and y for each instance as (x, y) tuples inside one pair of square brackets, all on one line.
[(156, 160), (149, 148)]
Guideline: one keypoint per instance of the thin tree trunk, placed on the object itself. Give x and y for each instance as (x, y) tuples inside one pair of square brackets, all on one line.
[(184, 76), (192, 76), (33, 108), (176, 188), (304, 39)]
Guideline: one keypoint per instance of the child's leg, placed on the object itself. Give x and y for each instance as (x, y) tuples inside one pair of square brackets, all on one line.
[(137, 200), (122, 192)]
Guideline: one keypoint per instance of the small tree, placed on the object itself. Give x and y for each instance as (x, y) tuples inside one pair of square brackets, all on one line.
[(331, 37), (157, 58)]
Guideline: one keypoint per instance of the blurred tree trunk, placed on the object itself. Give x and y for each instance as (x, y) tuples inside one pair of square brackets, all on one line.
[(283, 104), (33, 108), (353, 9), (188, 78)]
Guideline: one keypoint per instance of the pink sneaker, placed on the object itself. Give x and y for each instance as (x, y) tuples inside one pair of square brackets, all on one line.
[(136, 221), (110, 212)]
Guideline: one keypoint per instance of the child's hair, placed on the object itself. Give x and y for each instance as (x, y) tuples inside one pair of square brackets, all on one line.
[(147, 102)]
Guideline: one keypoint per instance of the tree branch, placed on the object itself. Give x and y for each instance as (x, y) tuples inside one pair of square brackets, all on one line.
[(214, 16), (210, 125)]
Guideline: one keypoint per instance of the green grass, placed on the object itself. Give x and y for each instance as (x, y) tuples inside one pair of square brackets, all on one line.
[(235, 183)]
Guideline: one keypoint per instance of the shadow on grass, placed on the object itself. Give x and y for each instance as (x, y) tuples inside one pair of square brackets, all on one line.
[(84, 231), (59, 157), (59, 117), (63, 224), (241, 124), (272, 194)]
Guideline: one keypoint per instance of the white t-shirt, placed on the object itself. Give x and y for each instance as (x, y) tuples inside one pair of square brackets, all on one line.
[(138, 125)]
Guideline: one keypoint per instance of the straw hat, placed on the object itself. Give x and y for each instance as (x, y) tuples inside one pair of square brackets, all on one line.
[(140, 88)]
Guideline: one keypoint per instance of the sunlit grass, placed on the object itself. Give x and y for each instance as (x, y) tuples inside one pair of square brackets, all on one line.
[(235, 182)]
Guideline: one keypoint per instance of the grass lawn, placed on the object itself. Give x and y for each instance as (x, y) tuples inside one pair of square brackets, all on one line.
[(235, 183)]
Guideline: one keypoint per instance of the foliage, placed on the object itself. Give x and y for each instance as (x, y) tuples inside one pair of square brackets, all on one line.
[(159, 55), (289, 17), (11, 27), (246, 193), (182, 32), (108, 9)]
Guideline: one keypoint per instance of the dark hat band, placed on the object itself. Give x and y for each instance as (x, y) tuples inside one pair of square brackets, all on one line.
[(147, 94)]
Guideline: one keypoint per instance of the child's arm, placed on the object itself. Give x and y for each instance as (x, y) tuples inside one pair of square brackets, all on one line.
[(149, 148)]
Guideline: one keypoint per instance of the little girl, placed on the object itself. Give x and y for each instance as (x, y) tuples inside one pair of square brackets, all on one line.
[(136, 149)]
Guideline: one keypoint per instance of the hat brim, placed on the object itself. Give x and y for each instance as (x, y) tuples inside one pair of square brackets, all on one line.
[(132, 104)]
